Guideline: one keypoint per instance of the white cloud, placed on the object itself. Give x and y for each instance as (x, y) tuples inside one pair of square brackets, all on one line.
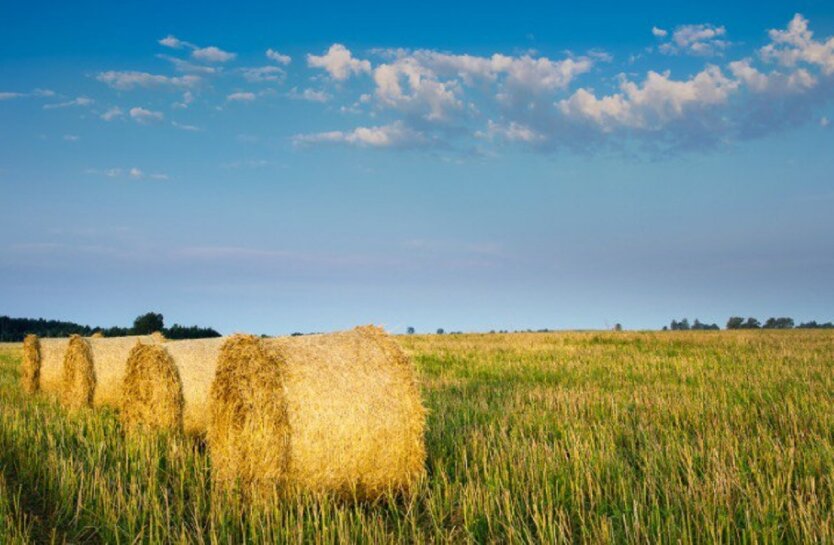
[(80, 101), (10, 95), (144, 116), (700, 40), (824, 121), (212, 54), (659, 32), (174, 43), (275, 56), (796, 45), (263, 73), (135, 173), (129, 79), (72, 137), (409, 86), (241, 97), (650, 106), (112, 113), (339, 63), (395, 135), (311, 95), (774, 82)]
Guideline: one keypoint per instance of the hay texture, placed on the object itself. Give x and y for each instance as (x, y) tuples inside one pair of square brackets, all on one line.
[(94, 368), (42, 368), (338, 413), (167, 385)]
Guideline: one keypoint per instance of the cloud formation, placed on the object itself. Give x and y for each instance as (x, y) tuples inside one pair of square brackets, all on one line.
[(144, 116), (704, 40), (131, 79), (395, 135), (339, 63)]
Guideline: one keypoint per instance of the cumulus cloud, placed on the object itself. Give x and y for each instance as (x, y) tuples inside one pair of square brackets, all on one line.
[(112, 113), (700, 40), (242, 96), (395, 135), (80, 101), (275, 56), (212, 54), (796, 44), (144, 116), (10, 95), (131, 79), (339, 63), (174, 43)]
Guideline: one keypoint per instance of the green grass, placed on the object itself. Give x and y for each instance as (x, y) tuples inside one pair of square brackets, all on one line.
[(573, 437)]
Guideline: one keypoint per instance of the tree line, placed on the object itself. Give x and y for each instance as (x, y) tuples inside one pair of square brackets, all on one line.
[(737, 322), (15, 329)]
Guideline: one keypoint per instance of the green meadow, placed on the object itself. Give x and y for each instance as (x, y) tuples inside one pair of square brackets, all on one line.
[(656, 437)]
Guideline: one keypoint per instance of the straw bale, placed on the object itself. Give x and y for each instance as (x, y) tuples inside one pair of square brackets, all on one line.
[(338, 413)]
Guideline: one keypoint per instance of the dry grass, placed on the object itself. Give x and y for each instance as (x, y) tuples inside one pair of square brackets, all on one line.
[(324, 413)]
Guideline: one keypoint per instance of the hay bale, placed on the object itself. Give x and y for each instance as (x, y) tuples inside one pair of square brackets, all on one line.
[(30, 366), (93, 369), (79, 376), (167, 385), (336, 413), (43, 364), (97, 335)]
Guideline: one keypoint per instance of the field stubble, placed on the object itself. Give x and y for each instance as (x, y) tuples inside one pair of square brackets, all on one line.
[(562, 437)]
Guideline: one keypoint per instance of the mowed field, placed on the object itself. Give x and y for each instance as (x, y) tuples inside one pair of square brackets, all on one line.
[(673, 437)]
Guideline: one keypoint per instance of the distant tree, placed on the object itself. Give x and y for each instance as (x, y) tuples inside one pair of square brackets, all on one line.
[(148, 323), (190, 332), (618, 327), (698, 325), (440, 331), (296, 334), (735, 322), (666, 328), (751, 323), (410, 330), (814, 325), (778, 323), (674, 326)]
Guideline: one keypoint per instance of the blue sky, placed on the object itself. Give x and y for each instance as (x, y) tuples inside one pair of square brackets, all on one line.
[(474, 166)]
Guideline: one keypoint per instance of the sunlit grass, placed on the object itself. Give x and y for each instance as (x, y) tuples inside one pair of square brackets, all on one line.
[(568, 437)]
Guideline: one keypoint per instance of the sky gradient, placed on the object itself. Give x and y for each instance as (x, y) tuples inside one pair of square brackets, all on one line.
[(272, 168)]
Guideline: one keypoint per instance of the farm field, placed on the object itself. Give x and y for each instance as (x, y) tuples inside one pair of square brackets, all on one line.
[(586, 437)]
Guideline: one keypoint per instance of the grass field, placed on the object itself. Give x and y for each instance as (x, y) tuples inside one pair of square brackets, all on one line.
[(565, 437)]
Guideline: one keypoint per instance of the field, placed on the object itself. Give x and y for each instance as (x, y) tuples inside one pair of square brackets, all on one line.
[(674, 437)]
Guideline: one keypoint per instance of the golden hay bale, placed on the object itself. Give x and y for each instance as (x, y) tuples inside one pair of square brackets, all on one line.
[(79, 376), (167, 385), (43, 363), (339, 413), (93, 369), (30, 366), (97, 335)]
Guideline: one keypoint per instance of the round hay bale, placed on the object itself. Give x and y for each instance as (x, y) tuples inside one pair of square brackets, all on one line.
[(50, 364), (151, 390), (30, 366), (338, 413), (79, 375), (97, 335), (93, 369), (167, 385)]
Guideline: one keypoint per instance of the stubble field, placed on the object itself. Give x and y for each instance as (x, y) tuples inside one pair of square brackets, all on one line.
[(674, 437)]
